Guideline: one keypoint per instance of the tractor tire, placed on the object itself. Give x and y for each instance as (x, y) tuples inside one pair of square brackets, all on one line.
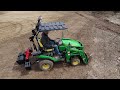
[(75, 61), (45, 65)]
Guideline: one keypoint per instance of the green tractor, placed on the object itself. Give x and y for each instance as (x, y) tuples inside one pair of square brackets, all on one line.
[(72, 50)]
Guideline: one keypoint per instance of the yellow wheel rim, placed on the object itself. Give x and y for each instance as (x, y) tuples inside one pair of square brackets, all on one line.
[(75, 62), (45, 66)]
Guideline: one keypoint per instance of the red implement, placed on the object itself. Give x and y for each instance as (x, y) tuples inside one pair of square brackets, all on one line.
[(27, 54)]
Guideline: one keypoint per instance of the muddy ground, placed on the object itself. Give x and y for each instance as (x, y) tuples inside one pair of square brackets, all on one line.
[(98, 32)]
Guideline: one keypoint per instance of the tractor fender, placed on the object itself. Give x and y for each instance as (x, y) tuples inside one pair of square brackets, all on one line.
[(47, 57)]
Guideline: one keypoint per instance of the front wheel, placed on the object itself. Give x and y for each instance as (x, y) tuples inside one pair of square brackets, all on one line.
[(75, 61), (45, 65)]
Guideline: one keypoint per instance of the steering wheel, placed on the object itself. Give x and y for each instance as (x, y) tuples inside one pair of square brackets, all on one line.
[(58, 40)]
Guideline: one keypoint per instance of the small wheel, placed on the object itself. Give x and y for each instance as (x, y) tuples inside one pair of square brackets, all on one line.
[(45, 65), (75, 61)]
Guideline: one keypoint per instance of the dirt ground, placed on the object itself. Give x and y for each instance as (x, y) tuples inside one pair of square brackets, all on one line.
[(98, 32)]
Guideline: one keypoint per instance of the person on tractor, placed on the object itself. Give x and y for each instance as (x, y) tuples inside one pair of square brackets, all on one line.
[(49, 43)]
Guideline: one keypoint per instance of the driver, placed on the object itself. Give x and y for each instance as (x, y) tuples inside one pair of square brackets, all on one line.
[(49, 43)]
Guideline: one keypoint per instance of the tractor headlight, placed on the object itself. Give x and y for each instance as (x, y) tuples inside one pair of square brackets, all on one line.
[(68, 53)]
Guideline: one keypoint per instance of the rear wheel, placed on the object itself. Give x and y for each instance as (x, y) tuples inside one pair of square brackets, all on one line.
[(45, 65), (75, 61)]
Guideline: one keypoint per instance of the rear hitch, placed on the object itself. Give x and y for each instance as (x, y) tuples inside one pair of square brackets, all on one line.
[(28, 65)]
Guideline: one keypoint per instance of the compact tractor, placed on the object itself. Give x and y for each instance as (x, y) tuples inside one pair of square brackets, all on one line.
[(72, 50)]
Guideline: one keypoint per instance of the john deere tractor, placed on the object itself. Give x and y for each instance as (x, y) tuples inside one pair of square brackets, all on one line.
[(72, 50)]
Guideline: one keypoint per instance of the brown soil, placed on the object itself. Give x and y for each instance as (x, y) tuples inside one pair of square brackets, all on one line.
[(100, 37)]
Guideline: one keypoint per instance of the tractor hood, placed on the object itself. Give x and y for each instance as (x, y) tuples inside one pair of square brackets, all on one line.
[(72, 42)]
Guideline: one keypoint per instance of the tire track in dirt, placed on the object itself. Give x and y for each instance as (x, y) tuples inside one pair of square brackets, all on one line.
[(31, 23), (4, 30), (9, 30), (102, 23), (103, 27)]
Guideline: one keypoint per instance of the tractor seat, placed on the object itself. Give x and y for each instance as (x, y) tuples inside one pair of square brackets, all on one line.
[(41, 46)]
